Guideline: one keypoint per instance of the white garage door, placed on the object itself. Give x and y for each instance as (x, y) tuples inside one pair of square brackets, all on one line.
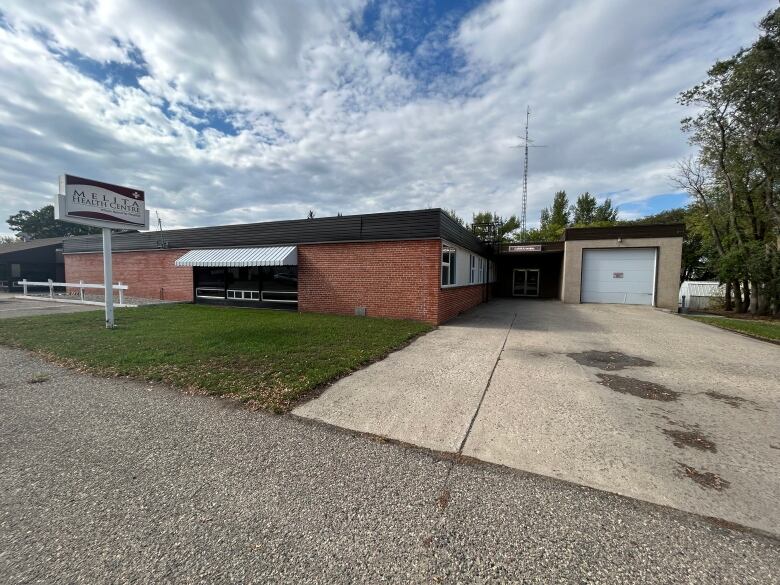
[(625, 275)]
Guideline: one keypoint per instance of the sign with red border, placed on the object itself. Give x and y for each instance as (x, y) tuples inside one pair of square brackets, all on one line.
[(99, 204)]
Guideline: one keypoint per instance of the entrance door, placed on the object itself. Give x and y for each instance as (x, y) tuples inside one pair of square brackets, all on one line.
[(525, 282)]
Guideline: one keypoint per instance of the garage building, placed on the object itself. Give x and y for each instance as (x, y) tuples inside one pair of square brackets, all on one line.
[(418, 265), (633, 264)]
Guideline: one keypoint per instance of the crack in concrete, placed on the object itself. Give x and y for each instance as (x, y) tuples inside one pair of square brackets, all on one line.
[(444, 496), (484, 392)]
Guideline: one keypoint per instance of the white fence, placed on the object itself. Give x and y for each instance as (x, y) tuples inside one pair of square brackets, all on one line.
[(80, 285)]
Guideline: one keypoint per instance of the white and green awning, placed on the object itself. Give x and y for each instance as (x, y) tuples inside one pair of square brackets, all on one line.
[(238, 257)]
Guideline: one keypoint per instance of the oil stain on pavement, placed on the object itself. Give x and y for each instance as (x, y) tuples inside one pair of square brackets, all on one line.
[(705, 479), (733, 401), (638, 388), (608, 360), (690, 438)]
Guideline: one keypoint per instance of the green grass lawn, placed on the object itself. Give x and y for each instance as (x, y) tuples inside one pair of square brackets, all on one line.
[(768, 330), (268, 358)]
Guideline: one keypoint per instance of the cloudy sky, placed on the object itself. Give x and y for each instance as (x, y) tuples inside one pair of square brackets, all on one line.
[(239, 111)]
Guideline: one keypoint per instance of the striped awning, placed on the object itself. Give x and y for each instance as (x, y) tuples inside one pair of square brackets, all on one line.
[(232, 257)]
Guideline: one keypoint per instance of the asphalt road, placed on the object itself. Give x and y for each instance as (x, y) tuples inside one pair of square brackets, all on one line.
[(105, 480)]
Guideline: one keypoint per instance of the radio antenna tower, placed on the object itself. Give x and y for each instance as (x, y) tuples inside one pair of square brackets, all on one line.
[(161, 243), (524, 204)]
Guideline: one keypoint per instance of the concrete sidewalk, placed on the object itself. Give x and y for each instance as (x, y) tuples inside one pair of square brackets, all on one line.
[(690, 420), (427, 393)]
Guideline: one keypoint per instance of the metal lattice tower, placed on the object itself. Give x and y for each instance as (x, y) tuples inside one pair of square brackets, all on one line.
[(524, 204)]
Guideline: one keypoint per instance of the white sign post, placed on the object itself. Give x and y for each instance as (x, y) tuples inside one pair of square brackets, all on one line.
[(108, 279), (103, 205)]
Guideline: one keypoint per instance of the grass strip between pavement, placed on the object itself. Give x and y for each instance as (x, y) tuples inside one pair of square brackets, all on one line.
[(271, 359), (765, 330)]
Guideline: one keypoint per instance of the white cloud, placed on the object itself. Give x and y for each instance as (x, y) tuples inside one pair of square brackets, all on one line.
[(305, 113)]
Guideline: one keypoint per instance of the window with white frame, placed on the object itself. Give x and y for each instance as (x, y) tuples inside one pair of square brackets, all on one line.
[(481, 270), (447, 266), (473, 269)]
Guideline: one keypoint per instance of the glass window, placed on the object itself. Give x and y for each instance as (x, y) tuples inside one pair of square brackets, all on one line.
[(473, 269), (248, 283), (244, 278), (279, 278), (210, 277), (16, 270), (447, 266)]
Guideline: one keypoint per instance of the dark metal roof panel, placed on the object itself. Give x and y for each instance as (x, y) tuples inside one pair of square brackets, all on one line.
[(399, 225), (455, 233), (669, 230), (30, 245)]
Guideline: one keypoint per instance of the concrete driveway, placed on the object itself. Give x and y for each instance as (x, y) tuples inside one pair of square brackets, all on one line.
[(12, 307), (625, 399)]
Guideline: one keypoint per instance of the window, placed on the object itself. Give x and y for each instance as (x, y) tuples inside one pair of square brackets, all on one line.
[(269, 284), (16, 270), (473, 267), (243, 295), (447, 266), (481, 271)]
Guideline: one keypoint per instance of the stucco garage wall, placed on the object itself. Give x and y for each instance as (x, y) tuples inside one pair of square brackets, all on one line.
[(398, 279), (144, 272), (667, 273)]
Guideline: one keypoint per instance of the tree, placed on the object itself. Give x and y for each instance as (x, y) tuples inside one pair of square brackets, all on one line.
[(453, 215), (605, 213), (488, 225), (584, 210), (7, 240), (695, 254), (553, 220), (735, 176), (40, 223)]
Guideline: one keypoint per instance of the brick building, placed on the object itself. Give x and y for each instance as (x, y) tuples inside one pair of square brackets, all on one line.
[(418, 265)]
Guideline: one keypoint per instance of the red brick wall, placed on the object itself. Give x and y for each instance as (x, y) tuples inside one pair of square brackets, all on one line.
[(143, 272), (391, 279), (454, 301)]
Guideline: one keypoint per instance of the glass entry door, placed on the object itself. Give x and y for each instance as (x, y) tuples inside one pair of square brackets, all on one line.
[(525, 282)]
